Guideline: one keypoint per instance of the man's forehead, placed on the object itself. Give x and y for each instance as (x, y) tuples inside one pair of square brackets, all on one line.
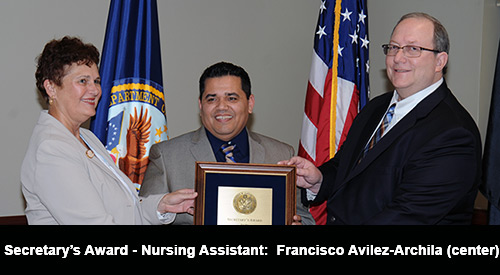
[(413, 30)]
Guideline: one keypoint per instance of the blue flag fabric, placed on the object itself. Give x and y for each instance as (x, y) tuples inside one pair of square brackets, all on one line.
[(131, 114), (491, 159)]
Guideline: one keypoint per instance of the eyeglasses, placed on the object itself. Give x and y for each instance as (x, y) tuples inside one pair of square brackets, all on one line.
[(408, 50)]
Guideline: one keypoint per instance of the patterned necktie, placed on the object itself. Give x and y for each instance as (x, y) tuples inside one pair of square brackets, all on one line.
[(228, 151), (380, 131)]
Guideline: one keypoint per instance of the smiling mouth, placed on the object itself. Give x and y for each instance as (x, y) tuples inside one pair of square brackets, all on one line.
[(90, 101), (401, 71), (223, 117)]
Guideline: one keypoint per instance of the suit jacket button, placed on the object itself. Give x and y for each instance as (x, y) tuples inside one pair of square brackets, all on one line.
[(332, 219)]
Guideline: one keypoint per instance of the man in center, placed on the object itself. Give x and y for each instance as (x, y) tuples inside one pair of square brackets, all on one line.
[(225, 103)]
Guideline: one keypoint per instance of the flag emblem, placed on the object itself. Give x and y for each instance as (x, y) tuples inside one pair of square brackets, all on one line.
[(131, 130)]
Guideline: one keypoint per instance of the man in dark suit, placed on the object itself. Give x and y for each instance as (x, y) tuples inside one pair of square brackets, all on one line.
[(424, 167), (225, 103)]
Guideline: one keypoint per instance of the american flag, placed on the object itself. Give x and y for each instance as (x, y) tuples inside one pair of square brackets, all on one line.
[(338, 82)]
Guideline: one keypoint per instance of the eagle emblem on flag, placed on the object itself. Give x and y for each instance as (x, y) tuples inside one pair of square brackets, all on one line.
[(135, 162)]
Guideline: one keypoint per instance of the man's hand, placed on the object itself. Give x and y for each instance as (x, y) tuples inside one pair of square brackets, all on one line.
[(308, 175)]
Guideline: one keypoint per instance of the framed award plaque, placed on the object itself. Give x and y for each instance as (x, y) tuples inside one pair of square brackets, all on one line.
[(244, 194)]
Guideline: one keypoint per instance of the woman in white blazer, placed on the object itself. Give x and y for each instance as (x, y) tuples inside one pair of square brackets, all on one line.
[(67, 175)]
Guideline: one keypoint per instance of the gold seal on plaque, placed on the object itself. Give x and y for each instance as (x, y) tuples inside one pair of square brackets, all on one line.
[(244, 203)]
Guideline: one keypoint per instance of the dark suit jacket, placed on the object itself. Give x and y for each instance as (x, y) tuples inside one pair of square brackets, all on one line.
[(425, 170)]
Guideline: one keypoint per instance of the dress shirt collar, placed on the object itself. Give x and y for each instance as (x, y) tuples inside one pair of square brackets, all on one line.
[(404, 106), (241, 151)]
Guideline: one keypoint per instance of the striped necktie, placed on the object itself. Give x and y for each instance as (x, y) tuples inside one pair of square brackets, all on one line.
[(380, 131), (228, 151)]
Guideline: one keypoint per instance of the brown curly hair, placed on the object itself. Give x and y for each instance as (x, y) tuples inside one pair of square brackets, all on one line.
[(60, 53)]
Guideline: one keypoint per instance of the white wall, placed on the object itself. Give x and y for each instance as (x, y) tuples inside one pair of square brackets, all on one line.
[(271, 39)]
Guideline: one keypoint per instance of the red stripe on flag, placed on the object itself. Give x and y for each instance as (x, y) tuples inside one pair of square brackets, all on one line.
[(302, 152), (323, 136), (317, 109), (313, 105)]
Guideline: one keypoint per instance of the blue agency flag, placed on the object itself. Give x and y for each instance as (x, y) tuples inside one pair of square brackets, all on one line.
[(131, 116)]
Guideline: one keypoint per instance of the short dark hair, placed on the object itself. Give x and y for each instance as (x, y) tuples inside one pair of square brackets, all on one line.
[(224, 69), (60, 53)]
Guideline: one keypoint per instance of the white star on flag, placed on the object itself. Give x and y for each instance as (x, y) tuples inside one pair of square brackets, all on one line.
[(322, 7), (362, 17), (321, 31), (354, 37), (365, 42), (347, 15)]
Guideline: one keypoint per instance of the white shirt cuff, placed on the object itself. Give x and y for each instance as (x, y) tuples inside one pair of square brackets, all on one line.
[(166, 218), (310, 195)]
